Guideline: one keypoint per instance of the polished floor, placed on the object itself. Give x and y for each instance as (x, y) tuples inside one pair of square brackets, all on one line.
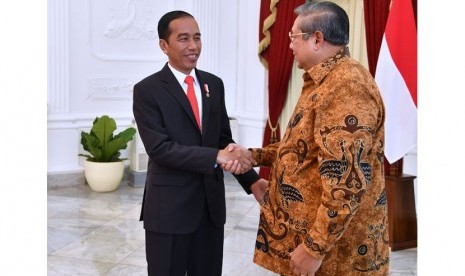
[(93, 233)]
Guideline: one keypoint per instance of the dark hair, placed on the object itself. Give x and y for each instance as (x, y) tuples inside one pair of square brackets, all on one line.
[(326, 17), (164, 23)]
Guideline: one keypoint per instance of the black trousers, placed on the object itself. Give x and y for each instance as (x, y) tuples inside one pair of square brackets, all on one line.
[(196, 254)]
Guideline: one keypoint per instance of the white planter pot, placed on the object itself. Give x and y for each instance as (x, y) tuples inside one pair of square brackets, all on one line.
[(103, 177)]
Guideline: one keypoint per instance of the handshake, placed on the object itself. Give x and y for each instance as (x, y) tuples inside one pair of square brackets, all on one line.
[(235, 159)]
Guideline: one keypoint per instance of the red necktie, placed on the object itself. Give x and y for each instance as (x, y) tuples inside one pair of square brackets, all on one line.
[(192, 99)]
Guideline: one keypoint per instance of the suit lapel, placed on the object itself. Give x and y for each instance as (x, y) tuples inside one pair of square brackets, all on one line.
[(171, 85)]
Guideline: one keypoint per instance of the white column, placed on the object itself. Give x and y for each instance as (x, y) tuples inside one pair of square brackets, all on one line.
[(251, 104), (207, 15), (58, 56)]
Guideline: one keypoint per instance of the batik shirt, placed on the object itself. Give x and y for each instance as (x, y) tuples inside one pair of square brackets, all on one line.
[(326, 187)]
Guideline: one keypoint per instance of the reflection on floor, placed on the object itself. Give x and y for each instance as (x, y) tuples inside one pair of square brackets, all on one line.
[(93, 233)]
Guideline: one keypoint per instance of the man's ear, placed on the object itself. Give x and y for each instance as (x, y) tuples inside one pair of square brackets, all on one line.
[(318, 40), (163, 45), (319, 37)]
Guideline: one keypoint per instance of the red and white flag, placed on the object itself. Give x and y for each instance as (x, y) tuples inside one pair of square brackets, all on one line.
[(396, 76)]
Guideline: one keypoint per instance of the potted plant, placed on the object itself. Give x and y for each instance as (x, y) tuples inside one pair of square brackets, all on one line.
[(103, 168)]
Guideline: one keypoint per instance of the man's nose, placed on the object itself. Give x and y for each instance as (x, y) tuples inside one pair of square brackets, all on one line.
[(192, 44)]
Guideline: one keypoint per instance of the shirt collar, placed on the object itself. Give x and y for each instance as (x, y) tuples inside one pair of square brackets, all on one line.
[(181, 76), (319, 72)]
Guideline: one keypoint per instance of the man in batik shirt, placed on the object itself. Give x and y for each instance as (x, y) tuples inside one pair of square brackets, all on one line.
[(324, 212)]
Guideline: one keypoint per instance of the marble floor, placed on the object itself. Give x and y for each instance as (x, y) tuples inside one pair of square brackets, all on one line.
[(93, 233)]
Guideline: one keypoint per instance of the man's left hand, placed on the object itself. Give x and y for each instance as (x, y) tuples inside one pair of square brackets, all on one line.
[(258, 189), (302, 263)]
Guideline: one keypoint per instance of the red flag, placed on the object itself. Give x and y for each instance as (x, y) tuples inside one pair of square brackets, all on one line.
[(396, 76)]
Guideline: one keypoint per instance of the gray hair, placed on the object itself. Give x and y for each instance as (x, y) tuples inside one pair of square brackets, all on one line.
[(326, 17)]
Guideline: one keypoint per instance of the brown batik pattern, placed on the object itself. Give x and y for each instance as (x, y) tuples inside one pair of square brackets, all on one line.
[(326, 186)]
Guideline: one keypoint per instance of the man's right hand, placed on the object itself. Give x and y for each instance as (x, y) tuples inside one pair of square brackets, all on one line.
[(235, 159)]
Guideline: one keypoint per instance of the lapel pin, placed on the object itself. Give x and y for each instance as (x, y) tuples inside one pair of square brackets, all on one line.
[(205, 86)]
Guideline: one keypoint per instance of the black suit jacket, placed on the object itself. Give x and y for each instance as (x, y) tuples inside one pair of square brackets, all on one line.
[(181, 174)]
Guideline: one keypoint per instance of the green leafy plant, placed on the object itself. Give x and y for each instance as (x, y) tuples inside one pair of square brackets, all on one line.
[(100, 142)]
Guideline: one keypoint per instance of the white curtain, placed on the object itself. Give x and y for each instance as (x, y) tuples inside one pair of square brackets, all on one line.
[(358, 51)]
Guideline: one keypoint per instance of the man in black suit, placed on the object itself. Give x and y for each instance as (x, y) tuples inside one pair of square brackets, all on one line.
[(184, 208)]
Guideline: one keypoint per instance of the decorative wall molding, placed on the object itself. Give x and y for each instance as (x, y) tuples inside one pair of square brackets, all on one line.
[(102, 88), (83, 121), (125, 30)]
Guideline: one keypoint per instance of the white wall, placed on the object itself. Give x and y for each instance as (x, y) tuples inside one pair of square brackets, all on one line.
[(410, 167), (97, 51)]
